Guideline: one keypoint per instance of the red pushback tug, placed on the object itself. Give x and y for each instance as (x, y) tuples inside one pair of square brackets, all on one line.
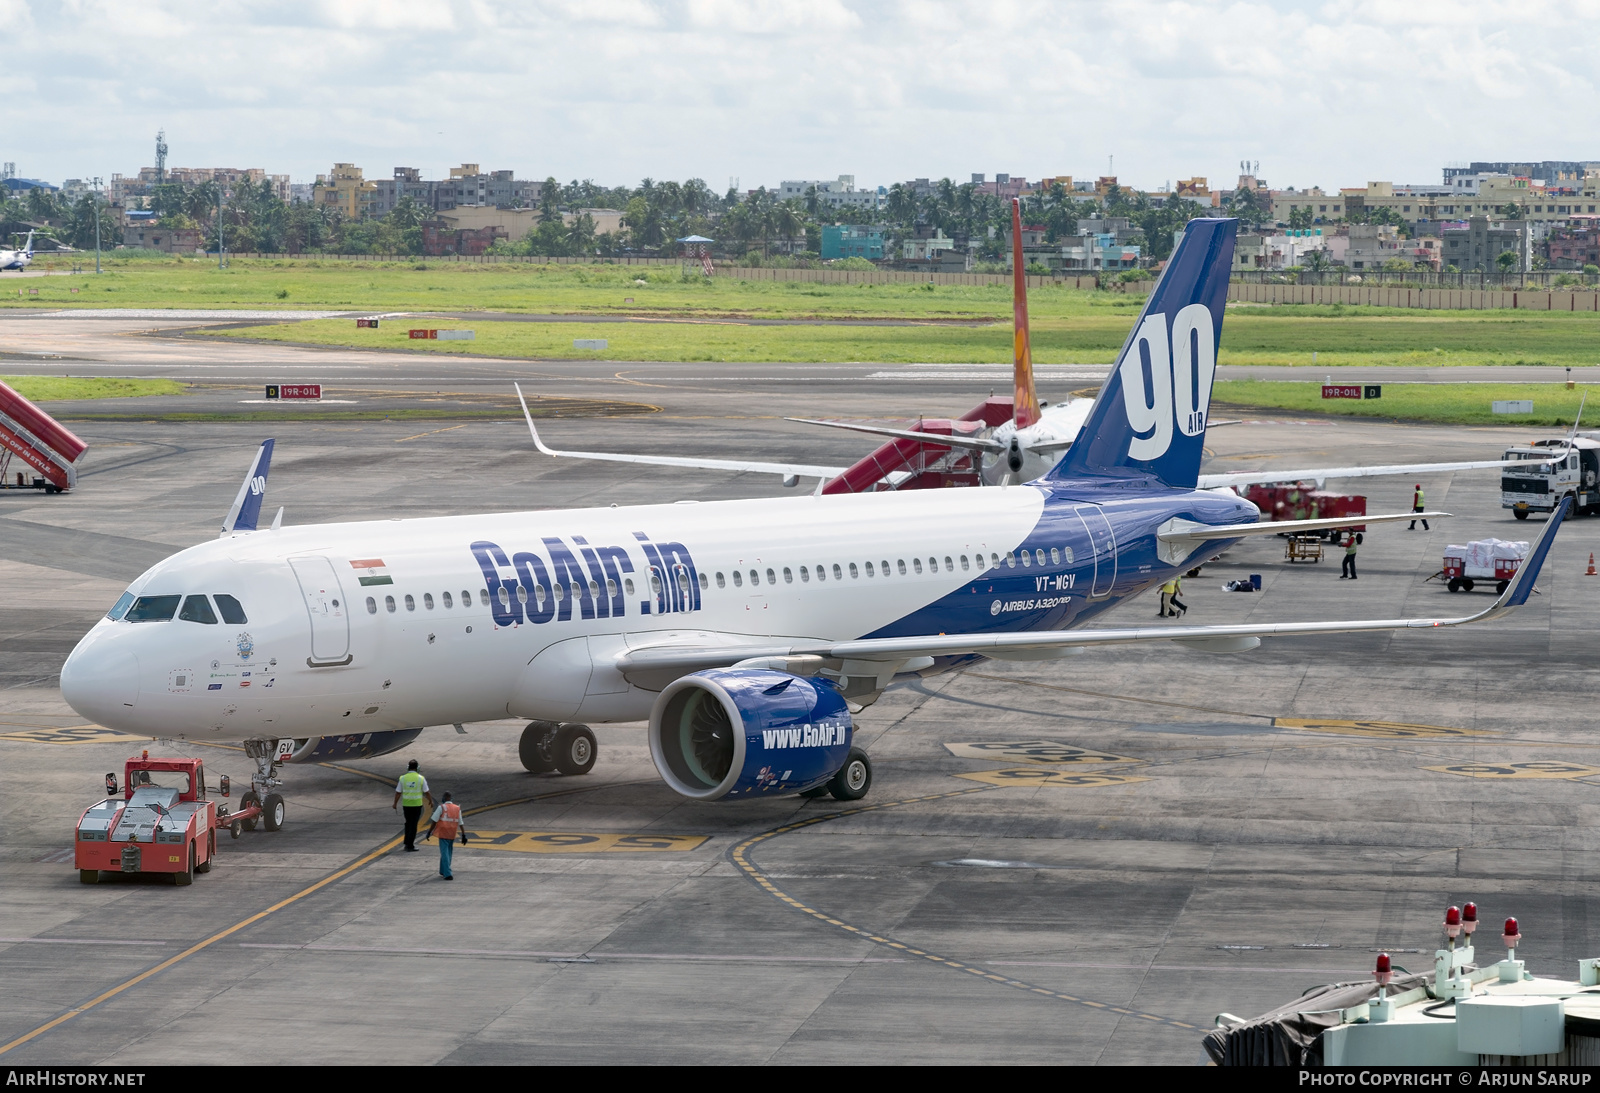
[(161, 822), (32, 437)]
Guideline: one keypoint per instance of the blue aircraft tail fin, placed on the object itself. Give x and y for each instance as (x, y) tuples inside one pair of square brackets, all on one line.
[(1149, 420), (246, 509)]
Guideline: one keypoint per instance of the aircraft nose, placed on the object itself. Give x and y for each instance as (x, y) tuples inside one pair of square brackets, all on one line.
[(100, 680)]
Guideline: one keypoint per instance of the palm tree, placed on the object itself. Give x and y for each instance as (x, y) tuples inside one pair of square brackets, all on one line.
[(788, 221)]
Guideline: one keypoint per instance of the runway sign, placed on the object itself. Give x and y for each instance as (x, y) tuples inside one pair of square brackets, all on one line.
[(1033, 751), (571, 842), (1547, 768), (76, 734), (294, 391), (1386, 730), (368, 323), (1023, 776)]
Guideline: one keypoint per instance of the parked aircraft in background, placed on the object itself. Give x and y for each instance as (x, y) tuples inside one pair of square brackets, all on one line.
[(746, 632), (19, 258)]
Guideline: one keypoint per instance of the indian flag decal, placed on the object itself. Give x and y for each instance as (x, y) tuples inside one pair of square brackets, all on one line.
[(372, 571)]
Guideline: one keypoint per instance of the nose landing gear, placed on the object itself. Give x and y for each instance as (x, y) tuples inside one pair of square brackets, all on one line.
[(259, 803)]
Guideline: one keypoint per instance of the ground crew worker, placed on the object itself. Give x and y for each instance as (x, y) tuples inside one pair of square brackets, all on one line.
[(1179, 607), (1349, 568), (412, 790), (1417, 506), (448, 826), (1168, 590)]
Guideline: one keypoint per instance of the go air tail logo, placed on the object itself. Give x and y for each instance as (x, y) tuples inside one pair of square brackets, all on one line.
[(824, 734), (1167, 381)]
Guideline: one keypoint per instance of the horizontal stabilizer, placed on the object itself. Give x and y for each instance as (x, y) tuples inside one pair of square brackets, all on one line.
[(1186, 531), (1319, 474)]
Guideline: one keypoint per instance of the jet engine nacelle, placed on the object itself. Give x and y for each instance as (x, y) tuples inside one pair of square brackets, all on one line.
[(355, 745), (736, 733)]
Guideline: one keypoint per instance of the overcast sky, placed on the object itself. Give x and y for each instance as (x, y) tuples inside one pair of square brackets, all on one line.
[(1324, 94)]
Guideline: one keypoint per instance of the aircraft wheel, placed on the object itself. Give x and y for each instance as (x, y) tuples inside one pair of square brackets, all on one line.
[(272, 812), (853, 779), (534, 749), (89, 876), (247, 799), (575, 749)]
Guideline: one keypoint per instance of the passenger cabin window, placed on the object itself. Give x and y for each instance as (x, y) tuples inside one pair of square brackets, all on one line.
[(933, 565), (788, 575), (1038, 556), (120, 608), (372, 606), (230, 609), (153, 608), (755, 578), (949, 566), (916, 564), (884, 565), (483, 597), (1026, 558), (705, 583), (198, 609), (869, 569), (964, 562), (738, 581), (427, 600), (853, 574), (388, 601), (901, 565), (1055, 556), (627, 584), (446, 599), (1011, 560), (722, 582), (805, 575), (411, 604), (838, 574)]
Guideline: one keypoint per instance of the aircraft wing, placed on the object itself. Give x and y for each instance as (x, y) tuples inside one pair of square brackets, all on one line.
[(976, 443), (1320, 474), (786, 470), (653, 660)]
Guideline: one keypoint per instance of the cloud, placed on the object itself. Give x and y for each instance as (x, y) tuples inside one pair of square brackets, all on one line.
[(1319, 93)]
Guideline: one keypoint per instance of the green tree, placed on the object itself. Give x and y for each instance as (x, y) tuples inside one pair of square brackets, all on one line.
[(1506, 260), (1300, 218)]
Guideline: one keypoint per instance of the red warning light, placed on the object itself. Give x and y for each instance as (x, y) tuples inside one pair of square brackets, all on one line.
[(1452, 921), (1469, 918), (1512, 935), (1384, 971)]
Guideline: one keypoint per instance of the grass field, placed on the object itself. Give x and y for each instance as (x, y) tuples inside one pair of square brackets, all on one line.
[(1453, 403), (1430, 339), (563, 290), (54, 388)]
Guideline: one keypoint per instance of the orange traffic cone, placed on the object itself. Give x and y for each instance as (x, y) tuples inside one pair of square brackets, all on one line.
[(1590, 571)]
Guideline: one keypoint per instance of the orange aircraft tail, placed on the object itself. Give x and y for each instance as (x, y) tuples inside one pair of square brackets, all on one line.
[(1026, 398)]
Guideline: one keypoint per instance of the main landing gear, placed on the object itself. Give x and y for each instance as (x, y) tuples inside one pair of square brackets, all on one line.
[(852, 781), (547, 746), (260, 796)]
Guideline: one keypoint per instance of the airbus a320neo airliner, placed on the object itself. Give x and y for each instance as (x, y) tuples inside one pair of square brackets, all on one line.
[(746, 632)]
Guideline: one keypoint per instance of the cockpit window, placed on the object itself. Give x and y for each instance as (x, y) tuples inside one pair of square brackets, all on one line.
[(232, 612), (198, 609), (153, 608), (120, 608)]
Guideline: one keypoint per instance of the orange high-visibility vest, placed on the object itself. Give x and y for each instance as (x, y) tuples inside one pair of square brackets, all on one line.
[(449, 824)]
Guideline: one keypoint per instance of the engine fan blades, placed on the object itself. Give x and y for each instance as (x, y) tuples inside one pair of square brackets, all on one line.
[(711, 737)]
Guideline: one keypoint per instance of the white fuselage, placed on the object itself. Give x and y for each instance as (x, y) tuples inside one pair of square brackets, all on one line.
[(363, 627), (1057, 424)]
